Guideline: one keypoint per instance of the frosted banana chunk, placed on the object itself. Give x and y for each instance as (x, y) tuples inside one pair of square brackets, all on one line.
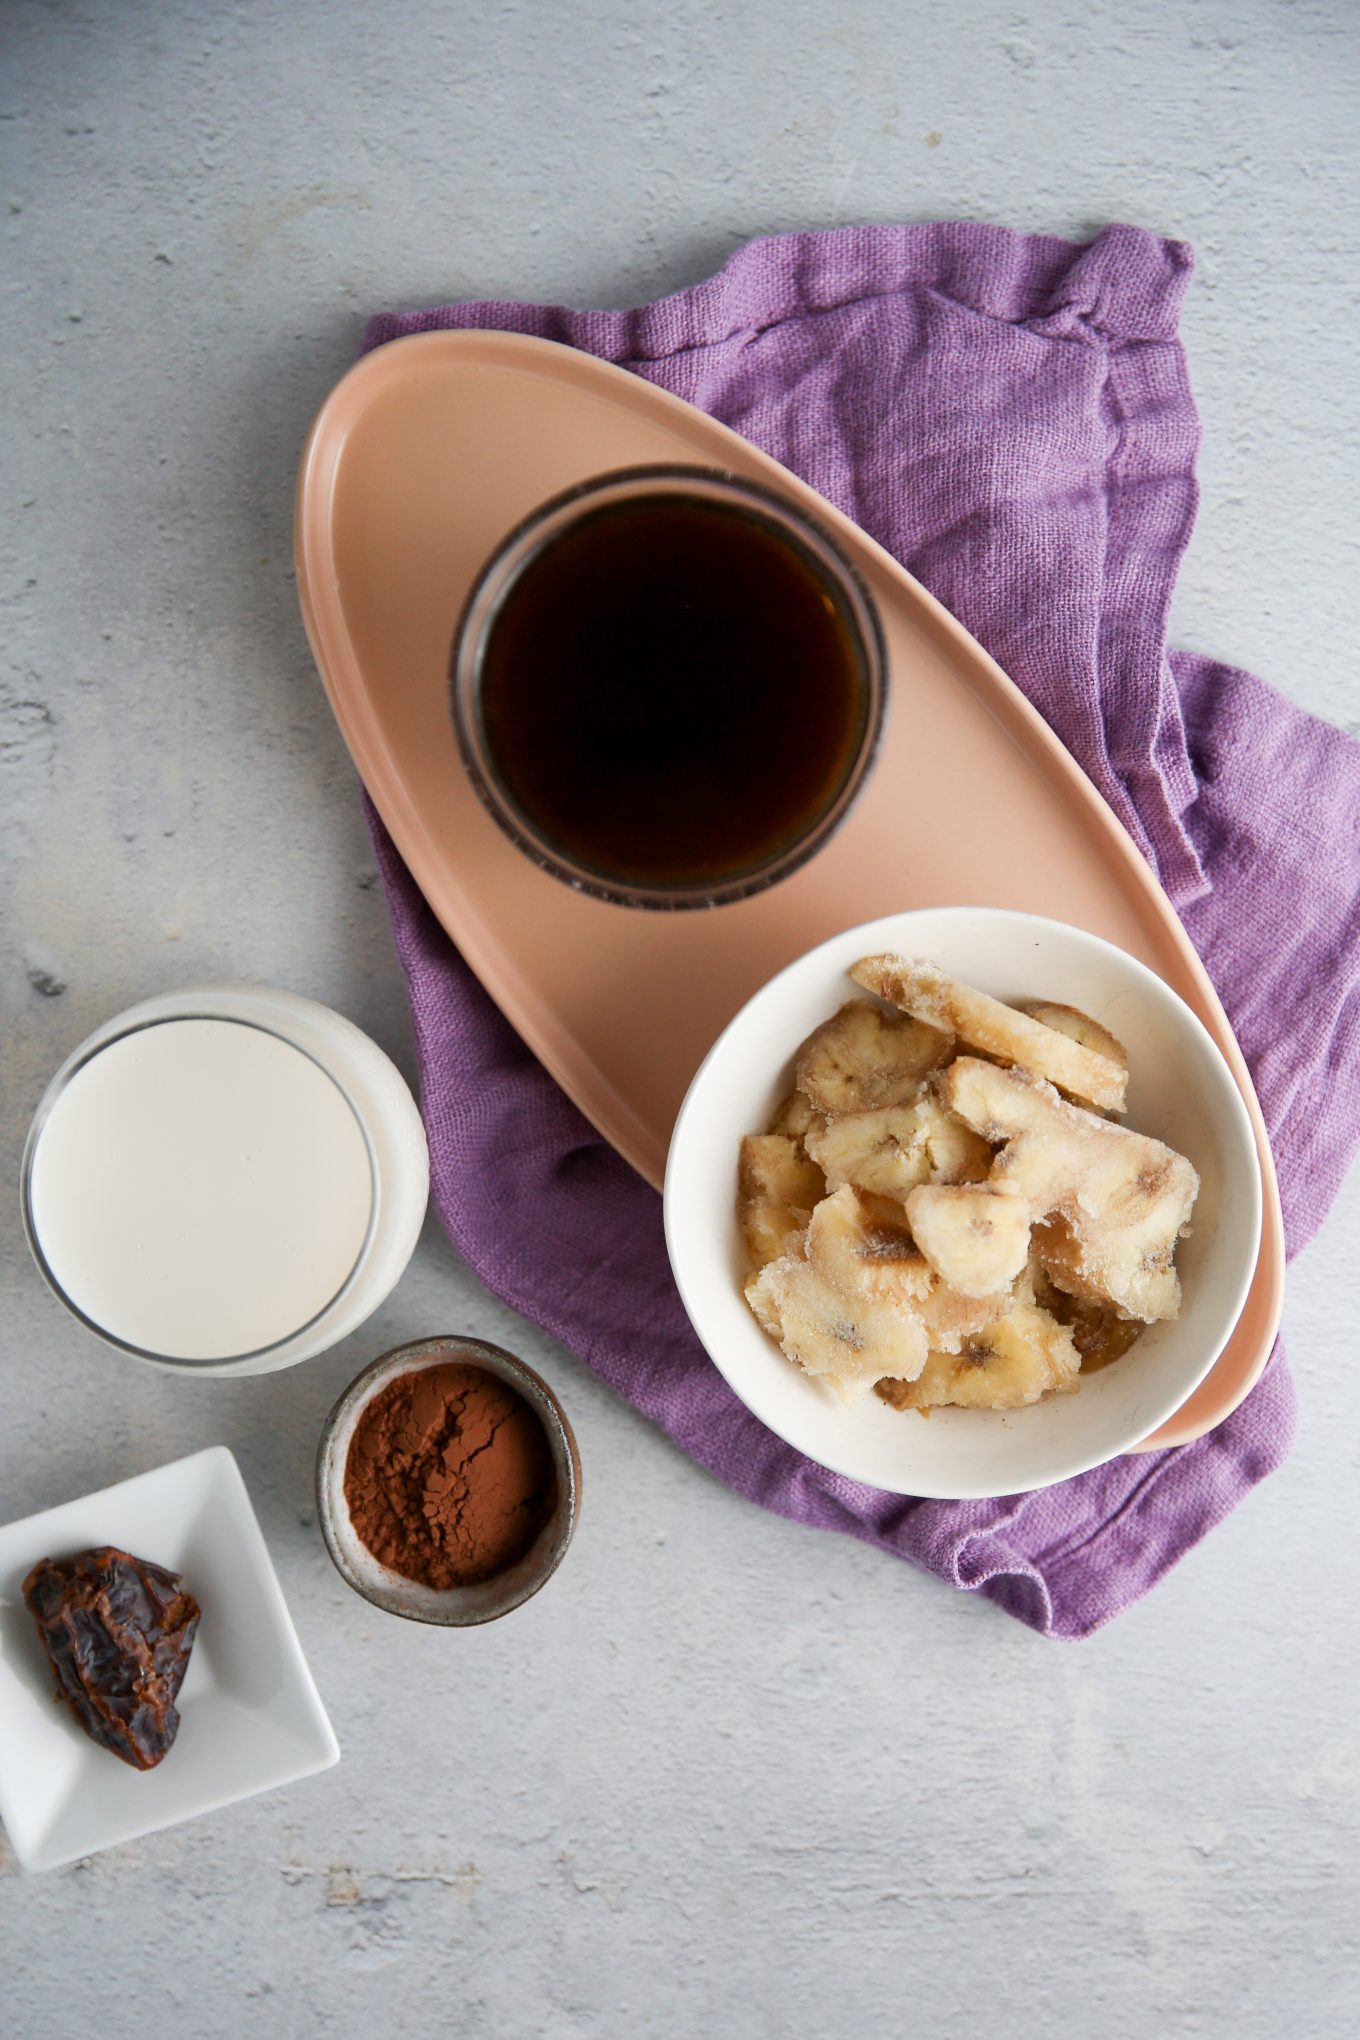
[(863, 1058), (777, 1187), (980, 1022), (864, 1247), (1111, 1204), (1022, 1357), (1077, 1026), (845, 1338), (793, 1117), (890, 1151), (975, 1236)]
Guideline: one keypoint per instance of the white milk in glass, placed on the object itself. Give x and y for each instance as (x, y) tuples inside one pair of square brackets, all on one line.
[(201, 1189)]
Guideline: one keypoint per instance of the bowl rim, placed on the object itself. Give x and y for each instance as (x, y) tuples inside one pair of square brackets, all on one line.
[(413, 1356), (769, 993)]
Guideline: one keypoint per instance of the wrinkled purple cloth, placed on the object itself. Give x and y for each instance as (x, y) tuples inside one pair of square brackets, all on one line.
[(1010, 415)]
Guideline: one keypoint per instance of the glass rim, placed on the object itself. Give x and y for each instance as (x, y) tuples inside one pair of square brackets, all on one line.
[(61, 1082), (528, 539)]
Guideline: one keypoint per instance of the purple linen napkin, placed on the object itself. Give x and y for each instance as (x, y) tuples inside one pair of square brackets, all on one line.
[(1010, 416)]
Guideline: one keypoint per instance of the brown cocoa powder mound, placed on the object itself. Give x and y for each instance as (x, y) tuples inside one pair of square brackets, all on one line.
[(449, 1476)]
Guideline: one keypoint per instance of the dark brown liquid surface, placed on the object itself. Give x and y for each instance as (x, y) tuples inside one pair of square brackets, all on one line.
[(671, 692)]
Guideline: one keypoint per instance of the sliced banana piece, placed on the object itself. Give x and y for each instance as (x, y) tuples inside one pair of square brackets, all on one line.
[(847, 1340), (1102, 1329), (975, 1236), (1113, 1202), (793, 1118), (890, 1151), (883, 1152), (862, 1243), (956, 1153), (951, 1319), (926, 993), (1022, 1357), (1077, 1026), (777, 1187), (863, 1058), (864, 1247), (1099, 1334)]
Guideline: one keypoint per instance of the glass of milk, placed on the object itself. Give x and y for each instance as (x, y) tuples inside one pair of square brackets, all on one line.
[(228, 1180)]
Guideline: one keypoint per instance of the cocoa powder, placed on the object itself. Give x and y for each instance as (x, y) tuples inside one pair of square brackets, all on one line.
[(449, 1477)]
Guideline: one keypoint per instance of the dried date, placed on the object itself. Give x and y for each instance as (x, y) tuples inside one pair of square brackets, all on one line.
[(118, 1632)]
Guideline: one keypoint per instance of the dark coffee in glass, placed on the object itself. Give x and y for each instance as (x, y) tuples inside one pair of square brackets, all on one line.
[(674, 689)]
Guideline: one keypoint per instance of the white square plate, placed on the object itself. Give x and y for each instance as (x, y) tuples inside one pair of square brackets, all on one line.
[(250, 1715)]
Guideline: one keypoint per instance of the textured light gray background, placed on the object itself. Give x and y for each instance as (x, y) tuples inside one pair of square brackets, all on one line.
[(727, 1777)]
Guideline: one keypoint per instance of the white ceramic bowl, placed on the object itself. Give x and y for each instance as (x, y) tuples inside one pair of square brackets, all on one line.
[(1180, 1090)]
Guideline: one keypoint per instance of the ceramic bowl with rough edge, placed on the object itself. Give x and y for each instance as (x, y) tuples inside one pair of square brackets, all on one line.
[(1180, 1091), (451, 1607)]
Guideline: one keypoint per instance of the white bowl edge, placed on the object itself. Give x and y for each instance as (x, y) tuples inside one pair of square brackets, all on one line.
[(1181, 1090)]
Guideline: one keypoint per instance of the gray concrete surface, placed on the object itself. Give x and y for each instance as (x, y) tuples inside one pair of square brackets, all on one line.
[(727, 1777)]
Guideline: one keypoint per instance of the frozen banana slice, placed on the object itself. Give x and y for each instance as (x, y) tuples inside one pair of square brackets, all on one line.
[(777, 1187), (975, 1236), (1024, 1356), (884, 1152), (862, 1243), (983, 1023), (890, 1151), (848, 1341), (1077, 1026), (951, 1319), (1111, 1325), (793, 1118), (957, 1154), (863, 1246), (1113, 1203), (1099, 1334), (863, 1058)]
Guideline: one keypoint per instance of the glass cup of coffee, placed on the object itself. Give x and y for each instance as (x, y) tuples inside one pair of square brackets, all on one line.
[(669, 687)]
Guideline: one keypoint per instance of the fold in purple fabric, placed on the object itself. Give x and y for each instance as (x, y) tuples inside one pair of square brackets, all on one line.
[(1009, 415)]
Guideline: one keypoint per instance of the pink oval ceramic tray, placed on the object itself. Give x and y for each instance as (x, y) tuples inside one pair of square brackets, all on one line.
[(421, 459)]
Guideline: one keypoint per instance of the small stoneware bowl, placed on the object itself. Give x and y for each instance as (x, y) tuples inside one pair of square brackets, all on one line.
[(1180, 1091), (453, 1607)]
